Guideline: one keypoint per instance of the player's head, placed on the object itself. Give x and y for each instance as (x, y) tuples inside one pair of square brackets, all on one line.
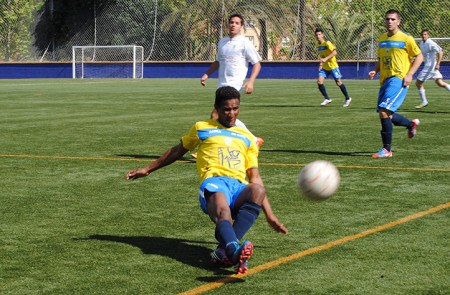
[(235, 24), (392, 20), (237, 15), (227, 105), (425, 34), (320, 36)]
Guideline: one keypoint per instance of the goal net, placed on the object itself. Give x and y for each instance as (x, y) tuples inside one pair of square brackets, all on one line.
[(125, 61)]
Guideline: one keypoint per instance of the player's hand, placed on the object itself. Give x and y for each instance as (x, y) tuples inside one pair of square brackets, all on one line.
[(137, 173), (203, 80), (277, 225), (248, 87), (372, 74), (407, 80)]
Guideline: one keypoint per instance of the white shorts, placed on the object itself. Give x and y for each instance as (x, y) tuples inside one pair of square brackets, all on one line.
[(427, 75)]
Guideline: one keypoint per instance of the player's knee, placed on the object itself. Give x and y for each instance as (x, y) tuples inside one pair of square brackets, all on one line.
[(384, 113), (258, 193)]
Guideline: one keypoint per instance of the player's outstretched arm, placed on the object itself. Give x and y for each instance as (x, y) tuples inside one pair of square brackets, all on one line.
[(170, 156), (272, 220), (214, 66)]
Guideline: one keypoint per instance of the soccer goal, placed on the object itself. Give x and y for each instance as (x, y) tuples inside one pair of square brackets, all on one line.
[(125, 61)]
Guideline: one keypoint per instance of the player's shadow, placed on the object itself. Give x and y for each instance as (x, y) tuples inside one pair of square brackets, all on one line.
[(134, 156), (310, 106), (424, 111), (185, 251), (347, 154)]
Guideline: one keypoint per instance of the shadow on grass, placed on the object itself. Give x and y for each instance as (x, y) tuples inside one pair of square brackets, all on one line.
[(312, 106), (423, 111), (185, 158), (185, 251), (349, 154)]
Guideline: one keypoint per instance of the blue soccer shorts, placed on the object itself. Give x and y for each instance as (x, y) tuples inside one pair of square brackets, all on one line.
[(335, 73), (392, 94), (230, 187)]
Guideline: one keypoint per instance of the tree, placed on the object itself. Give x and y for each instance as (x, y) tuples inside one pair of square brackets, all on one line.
[(349, 32), (63, 24), (16, 16), (204, 22)]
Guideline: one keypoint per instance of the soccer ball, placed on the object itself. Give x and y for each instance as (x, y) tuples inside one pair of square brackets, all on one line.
[(318, 180)]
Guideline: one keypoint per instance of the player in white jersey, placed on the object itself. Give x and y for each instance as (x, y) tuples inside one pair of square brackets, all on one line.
[(234, 54), (431, 65)]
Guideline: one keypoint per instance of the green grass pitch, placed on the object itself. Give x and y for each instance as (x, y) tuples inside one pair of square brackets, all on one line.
[(71, 224)]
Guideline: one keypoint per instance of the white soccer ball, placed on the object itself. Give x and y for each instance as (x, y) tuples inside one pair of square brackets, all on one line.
[(318, 180)]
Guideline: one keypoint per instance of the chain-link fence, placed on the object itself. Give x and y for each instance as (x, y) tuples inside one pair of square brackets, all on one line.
[(188, 30)]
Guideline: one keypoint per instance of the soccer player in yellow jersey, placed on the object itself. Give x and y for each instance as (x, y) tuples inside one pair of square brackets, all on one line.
[(399, 57), (329, 67), (231, 188)]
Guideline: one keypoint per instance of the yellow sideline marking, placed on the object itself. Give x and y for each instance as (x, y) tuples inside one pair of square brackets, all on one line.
[(189, 161), (221, 282)]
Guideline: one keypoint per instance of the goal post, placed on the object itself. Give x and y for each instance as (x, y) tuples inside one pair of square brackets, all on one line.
[(121, 61)]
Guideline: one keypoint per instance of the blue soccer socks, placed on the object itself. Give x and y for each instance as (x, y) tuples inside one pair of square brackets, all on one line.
[(323, 91), (225, 233), (386, 133), (245, 218)]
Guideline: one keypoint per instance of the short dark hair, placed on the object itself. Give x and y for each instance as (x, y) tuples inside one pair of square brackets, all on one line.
[(393, 11), (318, 30), (225, 93), (236, 15), (425, 30)]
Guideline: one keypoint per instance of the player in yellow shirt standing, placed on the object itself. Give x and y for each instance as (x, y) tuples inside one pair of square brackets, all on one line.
[(399, 57), (231, 187), (329, 66)]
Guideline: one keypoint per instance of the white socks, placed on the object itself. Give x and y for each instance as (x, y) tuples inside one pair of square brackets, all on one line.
[(423, 96)]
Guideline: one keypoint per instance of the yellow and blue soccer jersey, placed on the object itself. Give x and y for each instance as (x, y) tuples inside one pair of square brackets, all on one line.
[(395, 54), (222, 151), (326, 48)]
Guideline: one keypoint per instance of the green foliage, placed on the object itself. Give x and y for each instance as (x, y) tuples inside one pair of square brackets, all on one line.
[(349, 32), (16, 17), (71, 224), (189, 29)]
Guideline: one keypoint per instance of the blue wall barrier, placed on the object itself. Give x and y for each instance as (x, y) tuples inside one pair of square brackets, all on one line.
[(270, 70)]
